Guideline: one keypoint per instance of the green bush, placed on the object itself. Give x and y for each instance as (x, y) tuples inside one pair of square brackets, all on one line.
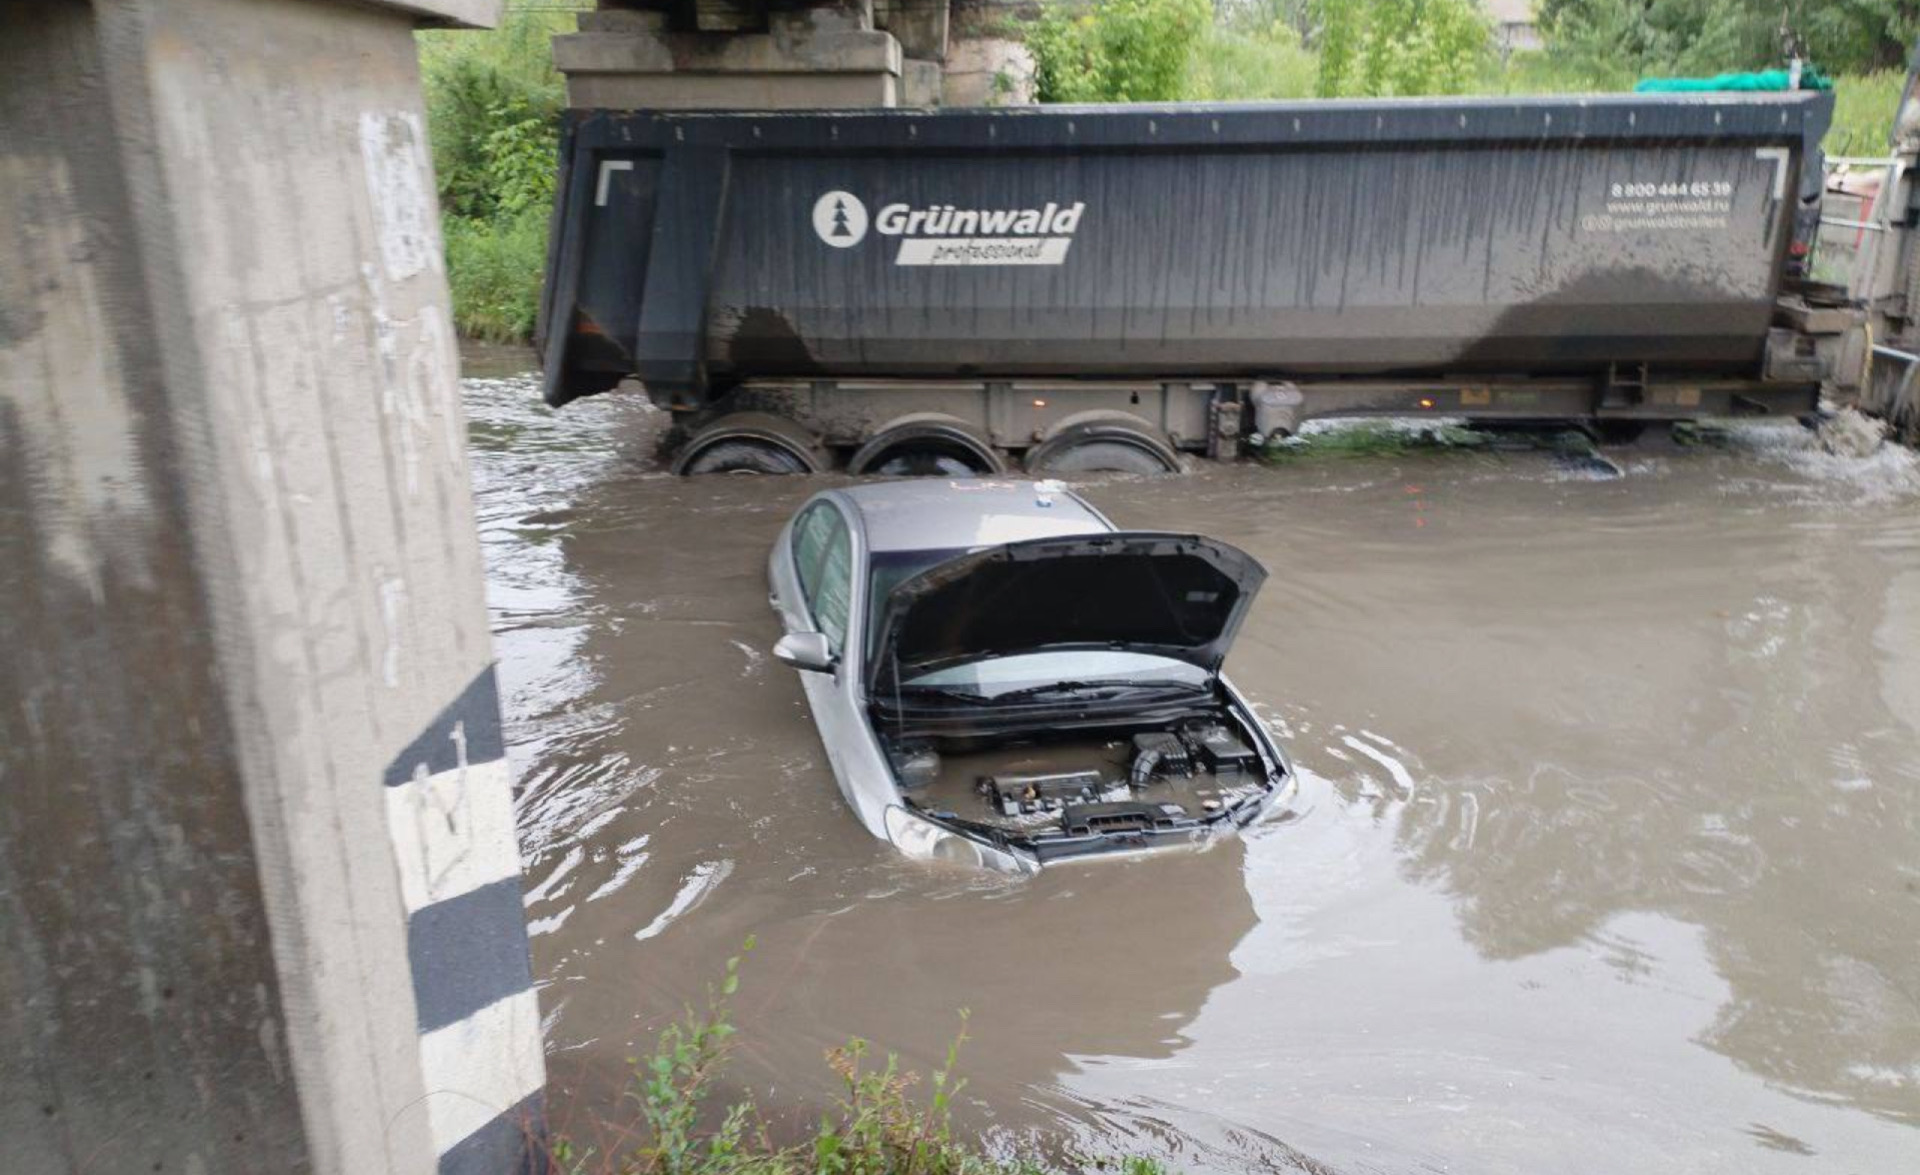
[(1116, 50), (1706, 37), (1228, 64), (494, 268), (493, 114), (877, 1126), (1382, 48)]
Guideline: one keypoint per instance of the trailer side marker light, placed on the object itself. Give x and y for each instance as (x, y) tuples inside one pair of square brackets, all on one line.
[(1039, 403), (1426, 401)]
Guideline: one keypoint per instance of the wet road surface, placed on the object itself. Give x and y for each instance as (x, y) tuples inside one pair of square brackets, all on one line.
[(1607, 856)]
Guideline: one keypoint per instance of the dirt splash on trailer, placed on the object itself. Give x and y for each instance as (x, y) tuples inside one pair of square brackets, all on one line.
[(1606, 859)]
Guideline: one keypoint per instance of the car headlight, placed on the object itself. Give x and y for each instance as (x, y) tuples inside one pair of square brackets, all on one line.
[(923, 840)]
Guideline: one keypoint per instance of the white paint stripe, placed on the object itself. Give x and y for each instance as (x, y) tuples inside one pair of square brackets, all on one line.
[(453, 832), (1781, 161), (983, 251), (481, 1067), (607, 168)]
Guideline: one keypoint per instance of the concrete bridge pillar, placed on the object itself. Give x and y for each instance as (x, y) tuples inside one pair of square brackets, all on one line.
[(259, 893), (793, 54)]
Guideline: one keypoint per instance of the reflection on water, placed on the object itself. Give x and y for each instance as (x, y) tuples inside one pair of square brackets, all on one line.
[(1607, 855)]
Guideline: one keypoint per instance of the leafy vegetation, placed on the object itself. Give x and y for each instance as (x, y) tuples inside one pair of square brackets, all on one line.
[(1616, 38), (878, 1125), (1382, 48), (1243, 61), (1117, 50), (1863, 109), (493, 113), (494, 269)]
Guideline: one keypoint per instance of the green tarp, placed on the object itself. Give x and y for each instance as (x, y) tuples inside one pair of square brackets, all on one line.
[(1772, 79)]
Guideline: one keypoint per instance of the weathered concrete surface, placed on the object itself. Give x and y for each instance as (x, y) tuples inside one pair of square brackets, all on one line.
[(806, 58), (988, 71), (919, 26), (794, 55), (240, 594), (477, 14)]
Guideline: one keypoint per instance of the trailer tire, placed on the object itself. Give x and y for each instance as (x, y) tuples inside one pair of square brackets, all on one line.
[(1101, 447), (749, 442), (926, 448), (743, 457)]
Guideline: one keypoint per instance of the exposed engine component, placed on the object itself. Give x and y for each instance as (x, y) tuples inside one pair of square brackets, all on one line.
[(1158, 752), (1094, 819), (1020, 795), (1219, 749)]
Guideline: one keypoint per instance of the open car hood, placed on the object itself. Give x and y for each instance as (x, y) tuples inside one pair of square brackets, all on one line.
[(1172, 595)]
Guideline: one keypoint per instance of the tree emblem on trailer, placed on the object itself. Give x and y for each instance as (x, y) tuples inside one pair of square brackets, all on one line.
[(840, 219)]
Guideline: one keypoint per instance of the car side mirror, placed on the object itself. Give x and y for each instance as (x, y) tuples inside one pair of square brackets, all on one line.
[(808, 651)]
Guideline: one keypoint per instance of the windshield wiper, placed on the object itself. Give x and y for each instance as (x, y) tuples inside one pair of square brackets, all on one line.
[(942, 693), (1113, 687)]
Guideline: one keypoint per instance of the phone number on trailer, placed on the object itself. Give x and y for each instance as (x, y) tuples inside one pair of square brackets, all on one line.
[(1695, 188)]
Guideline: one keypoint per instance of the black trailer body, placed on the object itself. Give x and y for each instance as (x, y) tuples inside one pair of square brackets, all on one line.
[(1591, 256)]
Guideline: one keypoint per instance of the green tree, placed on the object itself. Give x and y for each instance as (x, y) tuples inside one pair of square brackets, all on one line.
[(1381, 48), (1116, 50), (1611, 38), (493, 113)]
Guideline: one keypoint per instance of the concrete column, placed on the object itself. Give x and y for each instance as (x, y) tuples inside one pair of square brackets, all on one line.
[(825, 53), (259, 894)]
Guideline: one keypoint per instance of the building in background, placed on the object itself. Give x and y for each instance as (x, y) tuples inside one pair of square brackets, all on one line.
[(1515, 27)]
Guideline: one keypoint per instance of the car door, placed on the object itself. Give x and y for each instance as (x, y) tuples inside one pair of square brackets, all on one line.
[(824, 552)]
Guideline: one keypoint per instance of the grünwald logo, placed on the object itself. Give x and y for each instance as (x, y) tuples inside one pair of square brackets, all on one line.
[(943, 234), (840, 219)]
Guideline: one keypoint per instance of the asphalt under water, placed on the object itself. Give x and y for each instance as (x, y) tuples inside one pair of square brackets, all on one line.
[(1607, 856)]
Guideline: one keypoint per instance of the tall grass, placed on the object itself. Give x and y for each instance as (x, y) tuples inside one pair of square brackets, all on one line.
[(1230, 64), (494, 270), (1863, 110)]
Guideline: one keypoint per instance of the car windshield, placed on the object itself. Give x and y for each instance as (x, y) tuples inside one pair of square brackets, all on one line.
[(1064, 668)]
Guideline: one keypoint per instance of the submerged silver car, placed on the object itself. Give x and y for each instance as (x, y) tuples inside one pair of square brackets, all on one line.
[(1003, 678)]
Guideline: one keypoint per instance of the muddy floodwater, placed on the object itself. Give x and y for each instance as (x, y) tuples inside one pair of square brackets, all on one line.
[(1606, 858)]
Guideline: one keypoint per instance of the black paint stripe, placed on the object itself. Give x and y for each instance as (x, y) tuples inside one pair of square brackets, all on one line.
[(512, 1144), (477, 712), (468, 952)]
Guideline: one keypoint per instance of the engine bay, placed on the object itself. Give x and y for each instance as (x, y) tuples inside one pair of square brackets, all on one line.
[(1169, 780)]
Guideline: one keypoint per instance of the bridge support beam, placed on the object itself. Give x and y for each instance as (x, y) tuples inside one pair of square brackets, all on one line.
[(259, 894), (815, 54)]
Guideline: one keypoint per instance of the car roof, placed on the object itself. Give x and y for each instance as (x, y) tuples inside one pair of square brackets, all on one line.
[(933, 514)]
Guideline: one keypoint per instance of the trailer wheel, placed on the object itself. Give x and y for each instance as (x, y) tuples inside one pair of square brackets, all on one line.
[(1103, 448), (743, 457), (926, 448), (749, 442)]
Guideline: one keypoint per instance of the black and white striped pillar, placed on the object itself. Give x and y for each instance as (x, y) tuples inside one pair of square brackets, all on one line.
[(450, 813)]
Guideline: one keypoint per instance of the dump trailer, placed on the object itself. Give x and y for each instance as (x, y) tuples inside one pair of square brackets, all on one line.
[(1080, 288)]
